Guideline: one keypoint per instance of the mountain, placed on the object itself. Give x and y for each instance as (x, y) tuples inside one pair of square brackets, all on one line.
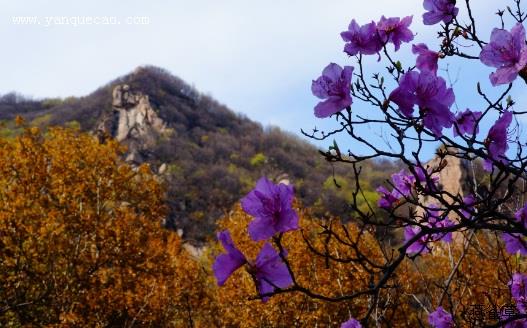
[(208, 155)]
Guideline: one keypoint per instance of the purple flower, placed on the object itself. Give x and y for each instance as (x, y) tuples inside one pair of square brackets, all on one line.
[(435, 221), (271, 206), (418, 246), (507, 52), (268, 270), (430, 94), (426, 179), (351, 323), (226, 264), (518, 286), (514, 243), (388, 199), (404, 182), (468, 206), (439, 10), (496, 141), (466, 123), (362, 39), (334, 86), (395, 30), (426, 59), (521, 216), (440, 318), (515, 323)]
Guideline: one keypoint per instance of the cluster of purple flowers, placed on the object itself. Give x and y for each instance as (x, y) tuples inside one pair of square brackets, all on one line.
[(518, 286), (370, 38), (431, 95), (433, 220), (515, 242), (404, 184), (271, 207), (334, 85), (423, 89)]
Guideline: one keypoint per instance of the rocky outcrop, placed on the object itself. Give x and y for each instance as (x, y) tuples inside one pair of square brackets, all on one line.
[(455, 177), (133, 122)]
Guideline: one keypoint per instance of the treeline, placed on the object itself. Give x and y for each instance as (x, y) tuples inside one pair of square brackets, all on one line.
[(213, 156)]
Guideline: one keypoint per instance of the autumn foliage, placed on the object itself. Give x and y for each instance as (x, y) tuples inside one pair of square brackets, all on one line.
[(82, 244), (81, 238)]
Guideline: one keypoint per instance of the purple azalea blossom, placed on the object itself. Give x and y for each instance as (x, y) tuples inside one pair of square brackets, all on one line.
[(404, 182), (268, 270), (439, 10), (521, 216), (518, 286), (363, 40), (496, 141), (435, 221), (466, 123), (468, 206), (426, 59), (507, 52), (514, 324), (418, 246), (430, 94), (440, 318), (388, 199), (335, 87), (514, 242), (351, 323), (429, 184), (271, 206), (226, 264), (395, 30)]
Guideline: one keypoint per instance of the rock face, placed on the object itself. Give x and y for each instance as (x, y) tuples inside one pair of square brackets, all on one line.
[(133, 122), (455, 177)]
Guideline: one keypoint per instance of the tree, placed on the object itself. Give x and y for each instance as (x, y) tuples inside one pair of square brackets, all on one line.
[(460, 235), (81, 238)]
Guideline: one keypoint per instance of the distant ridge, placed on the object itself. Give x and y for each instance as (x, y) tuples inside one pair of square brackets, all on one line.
[(208, 155)]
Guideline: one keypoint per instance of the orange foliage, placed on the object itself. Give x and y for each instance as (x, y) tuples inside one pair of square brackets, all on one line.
[(481, 277), (81, 241)]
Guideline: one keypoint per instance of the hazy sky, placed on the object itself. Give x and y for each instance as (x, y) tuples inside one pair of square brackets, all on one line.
[(257, 57)]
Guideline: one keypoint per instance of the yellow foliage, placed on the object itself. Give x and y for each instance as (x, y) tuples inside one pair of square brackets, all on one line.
[(81, 241)]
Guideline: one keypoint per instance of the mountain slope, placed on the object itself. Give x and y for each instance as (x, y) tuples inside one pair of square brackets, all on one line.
[(209, 156)]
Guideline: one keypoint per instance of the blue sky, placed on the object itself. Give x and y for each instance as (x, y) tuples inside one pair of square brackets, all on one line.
[(257, 57)]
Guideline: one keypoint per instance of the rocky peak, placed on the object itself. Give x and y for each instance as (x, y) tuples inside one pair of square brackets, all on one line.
[(133, 121)]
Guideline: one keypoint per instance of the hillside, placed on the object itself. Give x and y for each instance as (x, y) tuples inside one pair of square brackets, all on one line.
[(208, 155)]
